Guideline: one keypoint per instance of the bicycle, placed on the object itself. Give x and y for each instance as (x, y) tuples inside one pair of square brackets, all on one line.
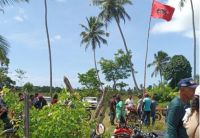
[(133, 117), (158, 116), (139, 133), (88, 115)]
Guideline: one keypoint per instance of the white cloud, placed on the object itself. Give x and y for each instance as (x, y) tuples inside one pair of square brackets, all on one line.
[(60, 0), (181, 21), (56, 38), (21, 16), (19, 19)]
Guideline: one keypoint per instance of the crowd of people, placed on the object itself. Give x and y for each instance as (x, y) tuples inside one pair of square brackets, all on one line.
[(182, 118), (145, 108)]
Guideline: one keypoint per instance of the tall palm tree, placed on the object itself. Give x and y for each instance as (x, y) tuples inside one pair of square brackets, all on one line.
[(93, 36), (4, 47), (49, 45), (114, 9), (182, 3), (160, 60)]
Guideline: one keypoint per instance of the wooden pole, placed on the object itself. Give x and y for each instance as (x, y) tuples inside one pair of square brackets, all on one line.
[(26, 114), (147, 48)]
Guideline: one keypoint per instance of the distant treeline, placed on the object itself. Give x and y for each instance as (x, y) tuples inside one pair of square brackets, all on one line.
[(41, 89)]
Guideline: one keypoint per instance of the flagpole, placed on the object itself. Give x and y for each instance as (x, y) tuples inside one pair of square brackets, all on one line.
[(194, 37), (147, 48)]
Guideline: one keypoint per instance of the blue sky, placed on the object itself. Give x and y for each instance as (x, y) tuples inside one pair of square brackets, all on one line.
[(23, 26)]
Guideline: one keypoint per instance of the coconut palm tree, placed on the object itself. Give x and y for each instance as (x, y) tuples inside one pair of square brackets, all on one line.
[(114, 9), (182, 3), (160, 60), (93, 36), (4, 47), (49, 45)]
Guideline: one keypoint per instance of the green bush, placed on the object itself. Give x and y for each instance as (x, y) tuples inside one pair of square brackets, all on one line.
[(164, 93), (57, 120)]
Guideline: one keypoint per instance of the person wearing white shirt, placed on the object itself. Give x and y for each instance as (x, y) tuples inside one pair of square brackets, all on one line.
[(129, 102)]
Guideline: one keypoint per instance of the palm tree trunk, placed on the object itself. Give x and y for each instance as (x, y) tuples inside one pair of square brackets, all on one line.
[(127, 52), (95, 63), (114, 83), (160, 77), (100, 104), (194, 36), (49, 46), (147, 48)]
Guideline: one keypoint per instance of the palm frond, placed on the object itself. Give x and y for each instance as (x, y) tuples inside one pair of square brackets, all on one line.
[(182, 3), (10, 2), (93, 33), (4, 48)]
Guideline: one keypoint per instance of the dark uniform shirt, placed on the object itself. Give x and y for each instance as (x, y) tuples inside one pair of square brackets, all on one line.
[(175, 113)]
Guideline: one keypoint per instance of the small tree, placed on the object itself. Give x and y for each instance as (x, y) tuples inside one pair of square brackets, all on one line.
[(89, 79), (28, 86), (178, 68), (20, 74), (116, 69)]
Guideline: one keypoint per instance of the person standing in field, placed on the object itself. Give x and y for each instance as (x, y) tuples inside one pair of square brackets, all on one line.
[(146, 109), (153, 109), (120, 110), (112, 113), (192, 123), (176, 109), (139, 106)]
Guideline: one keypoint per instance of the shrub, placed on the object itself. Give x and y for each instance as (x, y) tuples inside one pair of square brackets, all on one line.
[(57, 120), (163, 93)]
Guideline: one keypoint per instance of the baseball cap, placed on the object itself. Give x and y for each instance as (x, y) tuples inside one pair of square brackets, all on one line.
[(197, 90), (187, 82)]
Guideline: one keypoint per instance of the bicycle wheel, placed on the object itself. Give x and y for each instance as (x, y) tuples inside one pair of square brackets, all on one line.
[(158, 116), (131, 117), (88, 115)]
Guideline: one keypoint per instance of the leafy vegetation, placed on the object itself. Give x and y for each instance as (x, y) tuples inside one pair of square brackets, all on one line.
[(57, 120), (89, 79), (177, 68), (160, 61), (114, 10), (117, 69), (163, 92)]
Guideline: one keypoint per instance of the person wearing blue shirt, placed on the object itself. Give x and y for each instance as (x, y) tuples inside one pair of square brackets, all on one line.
[(146, 109)]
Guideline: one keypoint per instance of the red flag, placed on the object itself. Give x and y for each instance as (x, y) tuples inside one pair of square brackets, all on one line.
[(160, 10)]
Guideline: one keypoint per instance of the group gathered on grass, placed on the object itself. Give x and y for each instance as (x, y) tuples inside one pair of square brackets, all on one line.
[(182, 115)]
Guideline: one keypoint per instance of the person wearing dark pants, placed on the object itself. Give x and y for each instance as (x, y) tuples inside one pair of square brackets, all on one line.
[(4, 117), (146, 109), (112, 113), (153, 109)]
